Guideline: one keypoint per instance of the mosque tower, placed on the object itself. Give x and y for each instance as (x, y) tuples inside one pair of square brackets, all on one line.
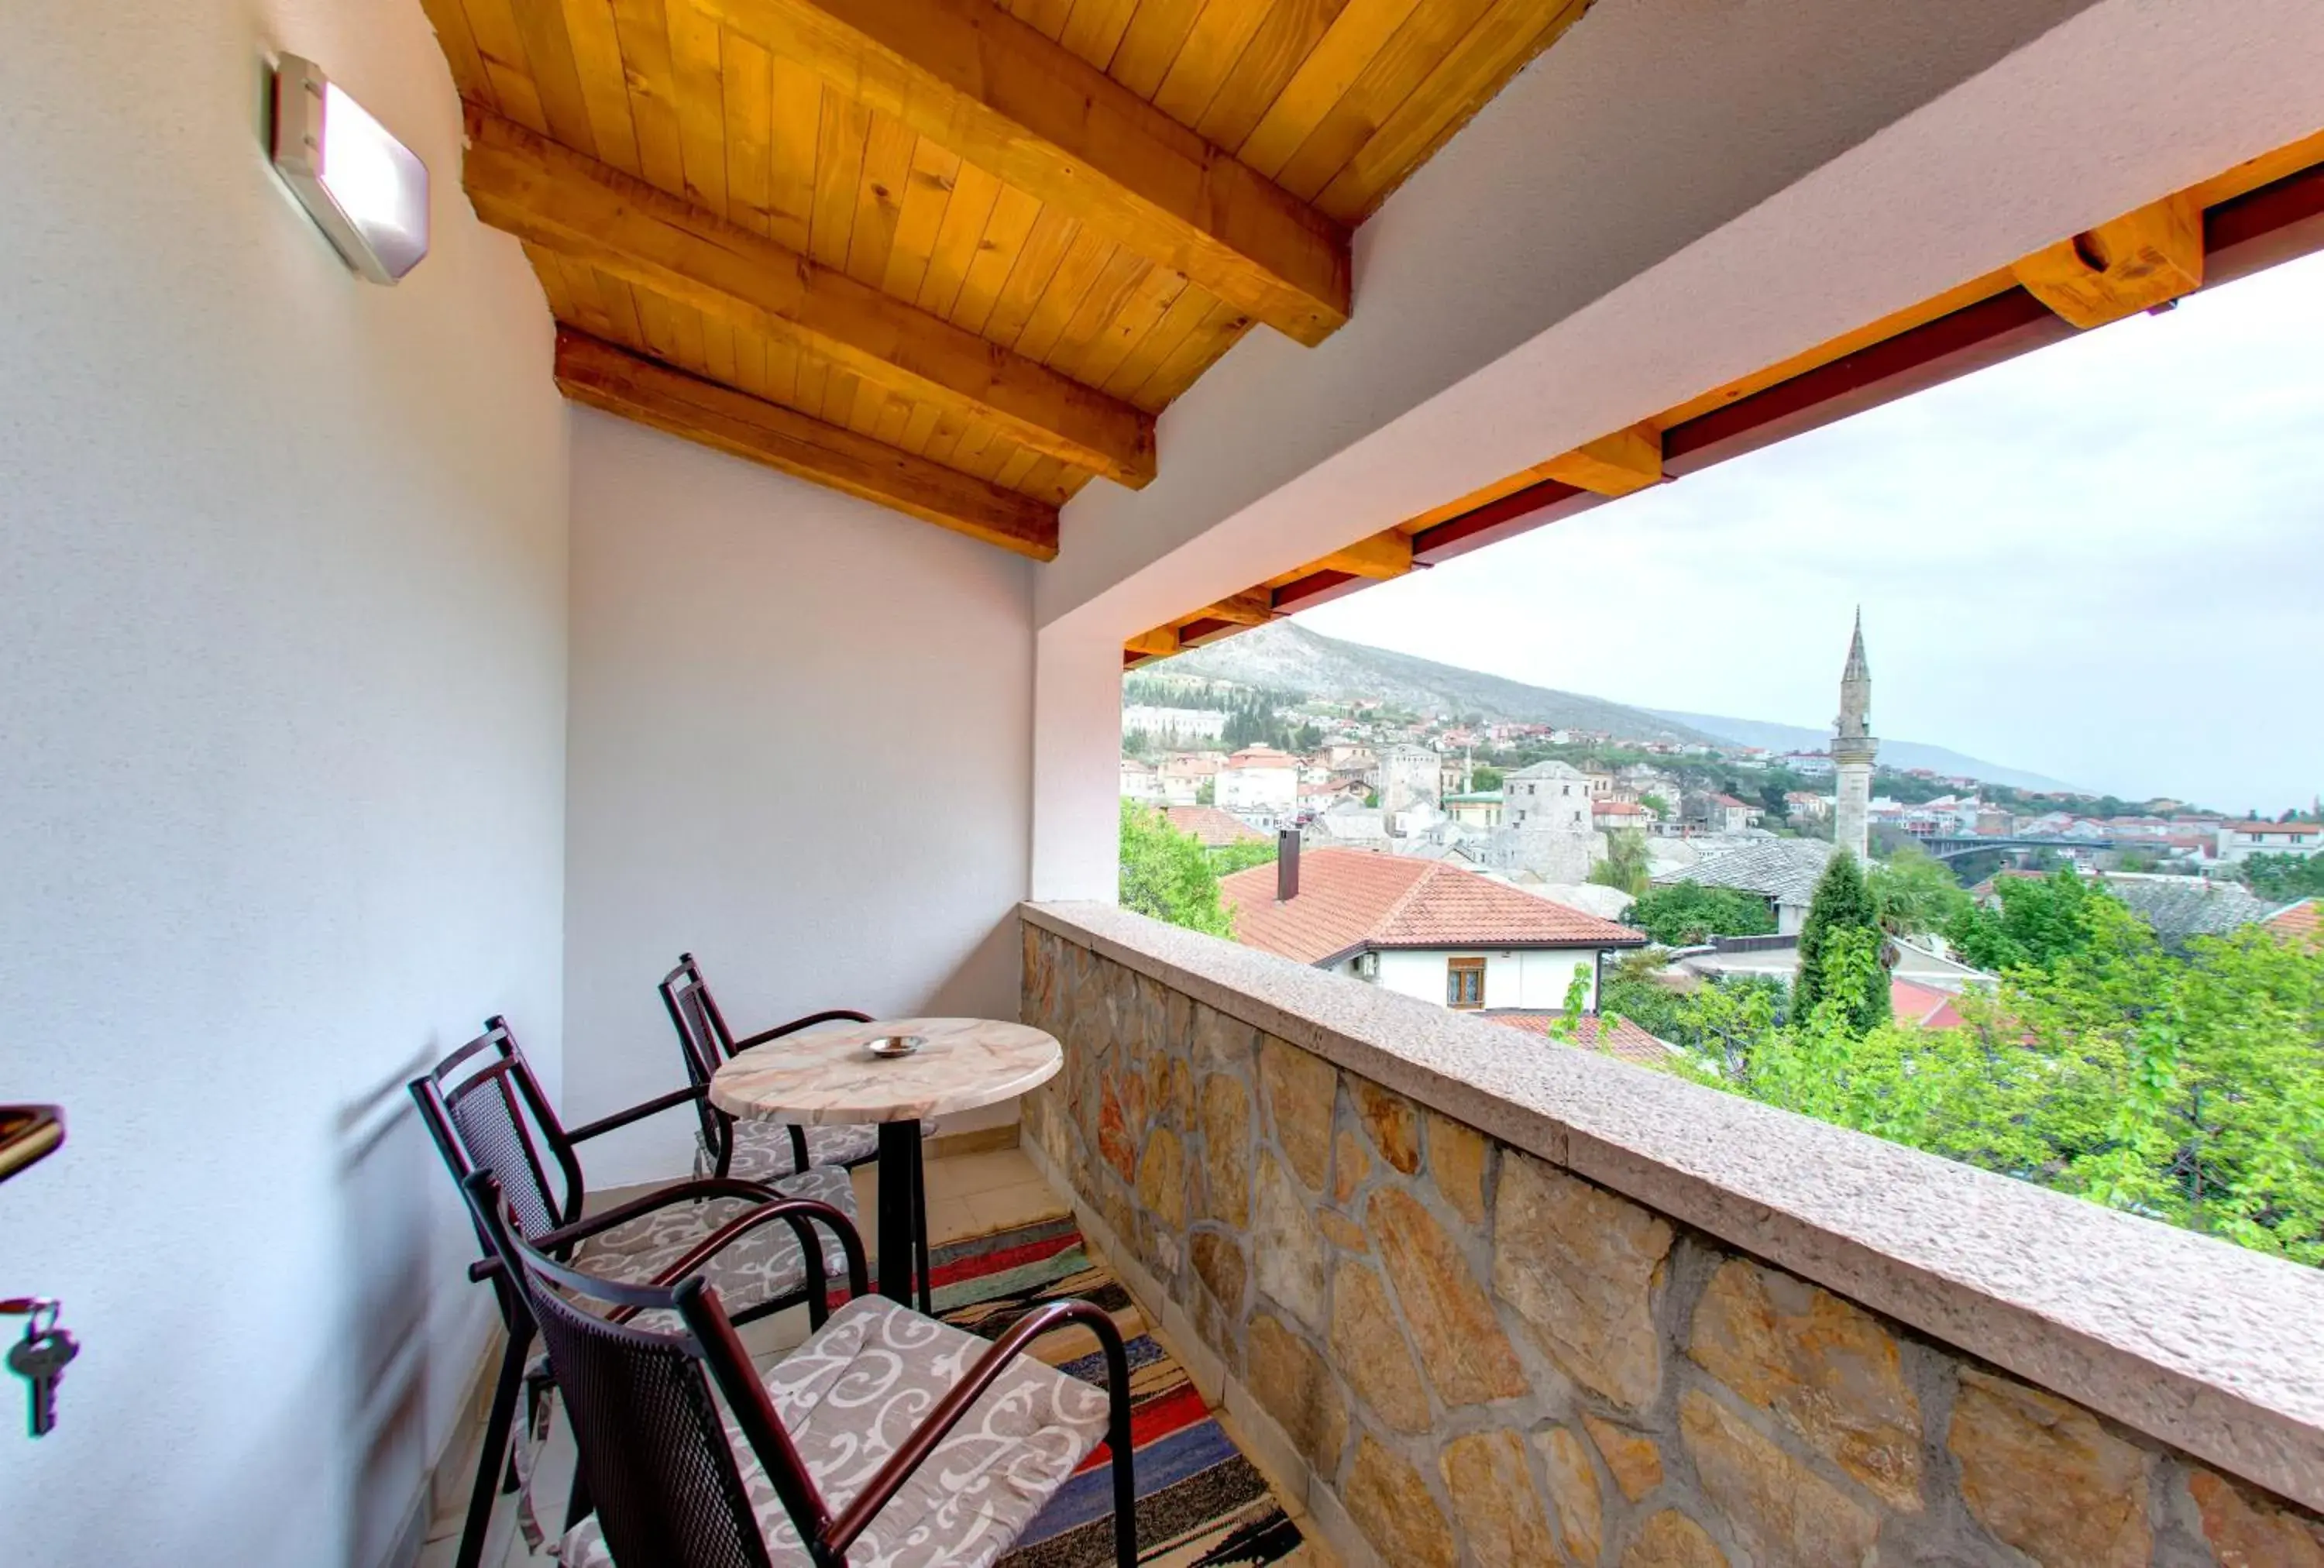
[(1852, 749)]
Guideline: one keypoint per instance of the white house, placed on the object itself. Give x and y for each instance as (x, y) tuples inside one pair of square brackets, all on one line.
[(2239, 841), (1424, 928), (1548, 795), (1139, 781), (1259, 780)]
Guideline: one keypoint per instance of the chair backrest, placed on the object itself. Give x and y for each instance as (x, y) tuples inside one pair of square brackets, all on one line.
[(706, 1043), (653, 1446), (487, 1112)]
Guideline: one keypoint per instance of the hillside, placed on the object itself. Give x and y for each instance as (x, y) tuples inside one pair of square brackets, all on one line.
[(1893, 754), (1286, 657)]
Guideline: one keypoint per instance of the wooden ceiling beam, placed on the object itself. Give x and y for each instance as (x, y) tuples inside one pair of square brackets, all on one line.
[(1253, 608), (562, 201), (2134, 262), (1616, 464), (595, 373), (1159, 643), (973, 78), (1381, 557)]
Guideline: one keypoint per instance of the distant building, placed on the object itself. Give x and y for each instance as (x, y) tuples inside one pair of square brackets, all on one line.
[(1606, 816), (1139, 781), (1213, 827), (1478, 808), (1802, 807), (1553, 796), (1725, 814), (1258, 781), (1176, 726), (1424, 928), (2239, 841), (1408, 778), (1182, 776)]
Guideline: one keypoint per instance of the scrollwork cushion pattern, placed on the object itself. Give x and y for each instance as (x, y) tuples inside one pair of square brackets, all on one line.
[(763, 1263), (763, 1151), (856, 1389)]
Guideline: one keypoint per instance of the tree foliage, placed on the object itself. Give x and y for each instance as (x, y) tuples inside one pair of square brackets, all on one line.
[(1683, 914), (1167, 874), (2284, 878), (2041, 920), (1842, 919), (1226, 859), (1914, 893), (1625, 866)]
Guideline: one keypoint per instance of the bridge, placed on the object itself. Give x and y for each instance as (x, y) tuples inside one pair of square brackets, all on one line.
[(1951, 846)]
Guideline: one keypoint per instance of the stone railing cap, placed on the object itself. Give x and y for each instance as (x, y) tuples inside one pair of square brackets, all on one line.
[(2209, 1347)]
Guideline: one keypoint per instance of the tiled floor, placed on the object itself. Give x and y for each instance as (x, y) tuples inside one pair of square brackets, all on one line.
[(970, 1194)]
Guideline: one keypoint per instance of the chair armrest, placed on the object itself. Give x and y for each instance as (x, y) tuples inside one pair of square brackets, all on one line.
[(830, 1015), (797, 1212), (564, 1236), (637, 1113), (923, 1438)]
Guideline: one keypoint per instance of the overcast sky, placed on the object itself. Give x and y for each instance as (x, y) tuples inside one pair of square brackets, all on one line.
[(2102, 561)]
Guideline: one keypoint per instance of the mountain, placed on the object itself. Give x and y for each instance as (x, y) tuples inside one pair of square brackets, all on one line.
[(1284, 656), (1893, 754)]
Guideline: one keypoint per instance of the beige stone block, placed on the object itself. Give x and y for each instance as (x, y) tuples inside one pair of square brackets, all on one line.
[(1469, 1359), (1221, 1042), (2248, 1531), (1226, 1149), (2046, 1477), (1393, 1124), (1342, 1232), (1390, 1504), (1118, 1124), (1631, 1457), (1573, 1493), (1350, 1166), (1672, 1540), (1456, 1162), (1162, 1178), (1298, 1089), (1581, 1265), (1291, 1383), (1286, 1244), (1369, 1351), (1493, 1500), (1774, 1501), (1220, 1265), (1821, 1365)]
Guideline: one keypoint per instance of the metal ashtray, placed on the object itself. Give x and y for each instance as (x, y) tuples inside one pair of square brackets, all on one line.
[(896, 1045)]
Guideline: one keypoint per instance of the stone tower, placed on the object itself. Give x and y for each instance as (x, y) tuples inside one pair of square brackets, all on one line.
[(1852, 749)]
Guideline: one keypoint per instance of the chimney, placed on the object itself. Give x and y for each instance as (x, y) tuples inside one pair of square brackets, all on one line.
[(1286, 865)]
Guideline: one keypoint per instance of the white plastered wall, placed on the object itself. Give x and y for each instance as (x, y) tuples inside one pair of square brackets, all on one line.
[(800, 750), (281, 814), (1675, 195)]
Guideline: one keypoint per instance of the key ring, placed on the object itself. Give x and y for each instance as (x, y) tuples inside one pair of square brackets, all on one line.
[(39, 1311)]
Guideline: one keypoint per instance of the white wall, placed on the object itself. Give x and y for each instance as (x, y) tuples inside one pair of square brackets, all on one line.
[(281, 816), (767, 676), (1527, 978)]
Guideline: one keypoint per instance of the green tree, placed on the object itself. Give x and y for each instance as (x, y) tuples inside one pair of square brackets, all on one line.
[(1683, 914), (1167, 874), (1488, 777), (1206, 793), (1625, 866), (2284, 878), (2041, 920), (1657, 805), (1226, 859), (1843, 903), (1916, 893)]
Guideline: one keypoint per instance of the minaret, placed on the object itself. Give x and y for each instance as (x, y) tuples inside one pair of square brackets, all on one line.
[(1852, 749)]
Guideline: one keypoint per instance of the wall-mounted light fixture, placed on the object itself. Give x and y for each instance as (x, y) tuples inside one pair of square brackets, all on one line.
[(362, 188)]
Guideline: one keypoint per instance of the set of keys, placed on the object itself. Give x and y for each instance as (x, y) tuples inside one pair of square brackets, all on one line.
[(40, 1357)]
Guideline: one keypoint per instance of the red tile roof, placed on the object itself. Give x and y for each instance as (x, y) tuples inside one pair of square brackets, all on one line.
[(1353, 899), (1626, 1041), (1727, 801), (1213, 826), (2299, 920), (1616, 808), (1924, 1005)]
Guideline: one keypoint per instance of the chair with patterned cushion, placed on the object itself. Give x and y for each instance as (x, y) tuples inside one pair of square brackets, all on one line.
[(886, 1438), (766, 1151), (485, 1110)]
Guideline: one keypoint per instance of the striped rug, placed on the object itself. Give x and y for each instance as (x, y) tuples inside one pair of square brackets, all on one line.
[(1201, 1503)]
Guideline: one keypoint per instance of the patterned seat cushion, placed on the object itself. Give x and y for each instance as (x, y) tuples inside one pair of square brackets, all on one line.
[(852, 1394), (763, 1153), (764, 1263)]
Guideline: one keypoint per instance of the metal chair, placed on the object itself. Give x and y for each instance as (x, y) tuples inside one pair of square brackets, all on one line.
[(485, 1110), (886, 1430), (769, 1151)]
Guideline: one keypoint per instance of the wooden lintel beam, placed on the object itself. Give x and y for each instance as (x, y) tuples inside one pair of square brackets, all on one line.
[(1159, 643), (1254, 607), (971, 76), (2128, 265), (556, 198), (1380, 556), (1616, 464), (604, 376)]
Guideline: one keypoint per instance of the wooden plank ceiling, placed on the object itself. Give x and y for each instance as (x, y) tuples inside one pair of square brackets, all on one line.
[(950, 255)]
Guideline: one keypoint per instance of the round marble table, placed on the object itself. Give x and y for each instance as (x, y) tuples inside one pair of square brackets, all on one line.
[(829, 1077)]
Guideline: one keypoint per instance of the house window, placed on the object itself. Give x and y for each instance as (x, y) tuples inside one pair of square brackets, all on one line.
[(1464, 982)]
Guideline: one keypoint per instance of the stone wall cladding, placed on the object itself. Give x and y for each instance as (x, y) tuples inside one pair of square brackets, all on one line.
[(1481, 1358)]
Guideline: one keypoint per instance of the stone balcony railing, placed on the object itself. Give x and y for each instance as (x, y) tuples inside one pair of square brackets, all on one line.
[(1481, 1298)]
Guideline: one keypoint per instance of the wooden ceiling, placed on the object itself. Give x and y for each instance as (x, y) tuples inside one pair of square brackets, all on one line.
[(948, 254)]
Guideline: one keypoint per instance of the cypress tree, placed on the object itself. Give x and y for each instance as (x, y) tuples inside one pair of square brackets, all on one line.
[(1843, 902)]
